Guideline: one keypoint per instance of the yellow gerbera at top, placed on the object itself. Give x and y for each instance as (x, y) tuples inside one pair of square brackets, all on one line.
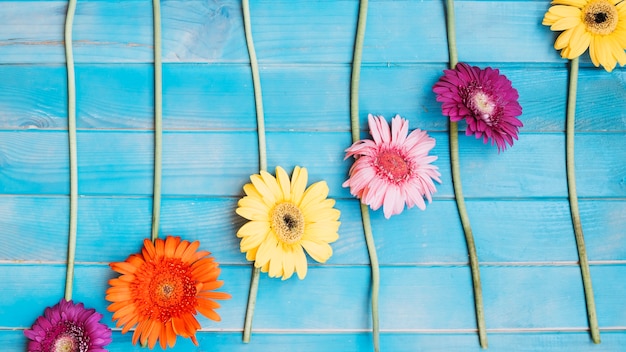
[(599, 25), (286, 218)]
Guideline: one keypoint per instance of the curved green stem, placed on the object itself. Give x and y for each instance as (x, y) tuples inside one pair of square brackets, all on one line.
[(354, 124), (158, 120), (573, 202), (71, 128), (458, 189), (260, 118)]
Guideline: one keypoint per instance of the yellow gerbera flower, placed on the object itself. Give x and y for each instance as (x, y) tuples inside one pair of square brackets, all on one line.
[(599, 25), (286, 218)]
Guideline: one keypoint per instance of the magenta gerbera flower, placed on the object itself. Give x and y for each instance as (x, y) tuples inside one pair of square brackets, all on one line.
[(393, 169), (485, 99), (68, 327)]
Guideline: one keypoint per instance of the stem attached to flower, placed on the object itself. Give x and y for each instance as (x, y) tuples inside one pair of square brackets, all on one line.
[(71, 127), (573, 202), (258, 99), (354, 123), (458, 189), (158, 120)]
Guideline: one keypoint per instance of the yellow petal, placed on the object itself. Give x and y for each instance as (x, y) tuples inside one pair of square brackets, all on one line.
[(289, 261), (315, 193), (323, 215), (253, 241), (577, 3), (284, 183), (299, 178), (580, 41), (253, 213), (327, 203), (320, 251), (276, 263), (322, 231), (272, 184), (301, 263), (602, 46), (266, 193), (252, 228), (250, 191), (267, 250), (562, 41), (567, 22)]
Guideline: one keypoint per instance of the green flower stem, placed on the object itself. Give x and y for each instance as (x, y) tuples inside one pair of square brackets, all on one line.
[(158, 120), (354, 124), (573, 202), (71, 127), (258, 99), (458, 189)]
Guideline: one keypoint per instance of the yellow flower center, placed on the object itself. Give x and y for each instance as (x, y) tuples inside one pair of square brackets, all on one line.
[(64, 344), (600, 16), (287, 221)]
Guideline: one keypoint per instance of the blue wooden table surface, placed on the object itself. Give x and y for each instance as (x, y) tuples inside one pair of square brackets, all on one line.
[(517, 200)]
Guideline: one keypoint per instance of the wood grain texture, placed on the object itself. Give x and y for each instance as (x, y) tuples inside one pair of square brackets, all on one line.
[(219, 163), (517, 199), (530, 231), (296, 97)]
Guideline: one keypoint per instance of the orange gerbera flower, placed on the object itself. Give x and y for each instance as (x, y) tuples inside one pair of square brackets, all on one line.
[(161, 290)]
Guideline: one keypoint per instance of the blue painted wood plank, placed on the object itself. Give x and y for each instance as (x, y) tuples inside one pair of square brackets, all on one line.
[(13, 341), (411, 298), (530, 231), (219, 163), (296, 97), (285, 31)]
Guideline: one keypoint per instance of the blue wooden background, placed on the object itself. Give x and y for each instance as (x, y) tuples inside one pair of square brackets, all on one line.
[(517, 200)]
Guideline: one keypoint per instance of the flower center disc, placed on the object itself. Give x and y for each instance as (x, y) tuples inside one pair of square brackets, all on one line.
[(64, 344), (172, 290), (601, 17), (482, 106), (287, 221), (393, 165)]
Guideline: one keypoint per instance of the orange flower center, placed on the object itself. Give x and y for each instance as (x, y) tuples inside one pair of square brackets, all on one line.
[(287, 221), (165, 289), (392, 165), (600, 16)]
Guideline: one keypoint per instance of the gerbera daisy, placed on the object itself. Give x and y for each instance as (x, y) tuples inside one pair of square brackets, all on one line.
[(286, 218), (485, 99), (161, 290), (599, 25), (393, 169), (68, 327)]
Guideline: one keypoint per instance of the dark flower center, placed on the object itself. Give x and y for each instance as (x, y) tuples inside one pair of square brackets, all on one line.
[(287, 221), (391, 164), (600, 17), (171, 290)]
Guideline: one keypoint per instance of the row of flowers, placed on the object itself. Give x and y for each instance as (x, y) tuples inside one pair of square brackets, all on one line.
[(160, 290)]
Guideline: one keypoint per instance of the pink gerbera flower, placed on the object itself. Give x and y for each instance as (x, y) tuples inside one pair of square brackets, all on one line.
[(485, 99), (393, 169), (68, 327)]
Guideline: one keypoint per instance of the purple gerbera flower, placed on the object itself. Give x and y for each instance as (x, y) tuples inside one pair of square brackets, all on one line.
[(485, 99), (68, 327)]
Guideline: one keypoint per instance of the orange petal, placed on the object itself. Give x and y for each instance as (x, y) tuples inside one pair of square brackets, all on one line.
[(171, 243), (182, 246), (189, 252)]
